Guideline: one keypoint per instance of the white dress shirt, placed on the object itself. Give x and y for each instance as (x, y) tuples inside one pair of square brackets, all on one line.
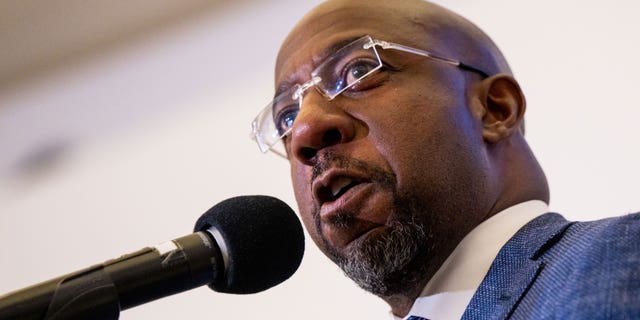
[(450, 290)]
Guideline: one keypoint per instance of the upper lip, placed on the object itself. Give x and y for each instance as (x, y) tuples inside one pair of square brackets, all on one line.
[(333, 183)]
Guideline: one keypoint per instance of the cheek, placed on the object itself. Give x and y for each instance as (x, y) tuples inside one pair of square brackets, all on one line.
[(426, 136), (302, 192)]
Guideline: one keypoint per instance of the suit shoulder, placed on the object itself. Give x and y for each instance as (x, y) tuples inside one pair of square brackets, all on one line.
[(592, 269), (621, 228)]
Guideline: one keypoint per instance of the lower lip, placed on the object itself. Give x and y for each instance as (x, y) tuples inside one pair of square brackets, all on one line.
[(351, 201), (368, 207)]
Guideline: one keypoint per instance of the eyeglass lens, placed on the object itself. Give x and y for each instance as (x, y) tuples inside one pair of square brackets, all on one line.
[(341, 71)]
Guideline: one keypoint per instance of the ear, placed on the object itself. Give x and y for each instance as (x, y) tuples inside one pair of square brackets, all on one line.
[(504, 106)]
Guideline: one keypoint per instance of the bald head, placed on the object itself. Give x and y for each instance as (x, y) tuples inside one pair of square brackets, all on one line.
[(426, 24)]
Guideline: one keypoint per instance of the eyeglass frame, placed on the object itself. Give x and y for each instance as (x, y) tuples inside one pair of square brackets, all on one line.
[(315, 80)]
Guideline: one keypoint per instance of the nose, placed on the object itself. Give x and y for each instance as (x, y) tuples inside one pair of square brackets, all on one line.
[(320, 124)]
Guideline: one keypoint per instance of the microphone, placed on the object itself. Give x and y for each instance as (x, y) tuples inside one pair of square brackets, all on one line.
[(242, 245)]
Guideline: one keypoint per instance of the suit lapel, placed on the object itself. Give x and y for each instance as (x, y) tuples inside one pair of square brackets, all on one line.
[(515, 268)]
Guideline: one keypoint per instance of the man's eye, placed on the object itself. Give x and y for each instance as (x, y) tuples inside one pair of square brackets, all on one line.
[(355, 71), (284, 119)]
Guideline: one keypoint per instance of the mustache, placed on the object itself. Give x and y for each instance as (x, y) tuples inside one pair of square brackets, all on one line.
[(330, 159)]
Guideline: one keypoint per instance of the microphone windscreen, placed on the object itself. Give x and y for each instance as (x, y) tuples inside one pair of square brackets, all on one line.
[(263, 238)]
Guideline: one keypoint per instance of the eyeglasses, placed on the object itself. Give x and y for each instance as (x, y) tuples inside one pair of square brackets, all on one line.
[(346, 69)]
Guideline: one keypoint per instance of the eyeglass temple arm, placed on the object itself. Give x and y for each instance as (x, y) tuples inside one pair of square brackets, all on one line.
[(395, 46)]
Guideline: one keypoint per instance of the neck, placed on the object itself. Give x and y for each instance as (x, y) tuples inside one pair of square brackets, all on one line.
[(519, 177), (400, 305)]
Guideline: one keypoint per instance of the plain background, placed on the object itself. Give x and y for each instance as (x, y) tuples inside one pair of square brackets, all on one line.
[(127, 147)]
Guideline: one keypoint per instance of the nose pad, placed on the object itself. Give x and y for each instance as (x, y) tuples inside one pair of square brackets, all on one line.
[(320, 124)]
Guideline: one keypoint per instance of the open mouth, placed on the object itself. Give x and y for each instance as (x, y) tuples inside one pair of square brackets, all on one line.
[(349, 207), (335, 189), (341, 194), (340, 187)]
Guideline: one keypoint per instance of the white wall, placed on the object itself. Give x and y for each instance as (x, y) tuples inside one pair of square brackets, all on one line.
[(145, 138)]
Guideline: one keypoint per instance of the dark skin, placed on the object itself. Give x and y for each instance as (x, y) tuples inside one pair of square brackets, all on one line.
[(449, 137)]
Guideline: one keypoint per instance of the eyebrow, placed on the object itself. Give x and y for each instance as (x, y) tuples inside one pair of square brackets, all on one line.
[(317, 59)]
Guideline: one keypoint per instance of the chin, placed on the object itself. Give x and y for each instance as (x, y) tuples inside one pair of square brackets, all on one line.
[(385, 260)]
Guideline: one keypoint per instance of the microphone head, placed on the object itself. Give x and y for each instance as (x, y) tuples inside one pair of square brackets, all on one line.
[(263, 238)]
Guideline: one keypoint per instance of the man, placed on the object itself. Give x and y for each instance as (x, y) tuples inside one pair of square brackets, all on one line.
[(404, 129)]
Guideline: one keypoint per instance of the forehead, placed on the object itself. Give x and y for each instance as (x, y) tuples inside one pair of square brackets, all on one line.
[(329, 27)]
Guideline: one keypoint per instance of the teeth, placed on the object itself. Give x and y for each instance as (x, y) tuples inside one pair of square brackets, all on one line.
[(337, 186)]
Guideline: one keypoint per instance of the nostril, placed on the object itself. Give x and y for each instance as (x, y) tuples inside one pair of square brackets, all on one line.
[(308, 153), (331, 137), (315, 130)]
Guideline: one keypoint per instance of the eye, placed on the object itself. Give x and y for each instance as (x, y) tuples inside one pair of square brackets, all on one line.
[(283, 120), (355, 71), (358, 70)]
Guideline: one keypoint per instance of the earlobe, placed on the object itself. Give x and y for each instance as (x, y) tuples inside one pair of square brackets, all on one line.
[(504, 107)]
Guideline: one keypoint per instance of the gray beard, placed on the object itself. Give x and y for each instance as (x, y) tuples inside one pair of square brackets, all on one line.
[(389, 262)]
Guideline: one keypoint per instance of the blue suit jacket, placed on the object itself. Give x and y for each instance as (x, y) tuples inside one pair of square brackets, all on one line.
[(555, 269)]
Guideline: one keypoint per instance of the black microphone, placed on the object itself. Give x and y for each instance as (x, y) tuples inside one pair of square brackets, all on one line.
[(241, 245)]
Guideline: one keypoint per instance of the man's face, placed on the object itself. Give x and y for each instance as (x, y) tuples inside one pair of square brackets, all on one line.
[(388, 179)]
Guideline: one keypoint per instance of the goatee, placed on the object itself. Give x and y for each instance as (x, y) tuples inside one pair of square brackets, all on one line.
[(388, 261)]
